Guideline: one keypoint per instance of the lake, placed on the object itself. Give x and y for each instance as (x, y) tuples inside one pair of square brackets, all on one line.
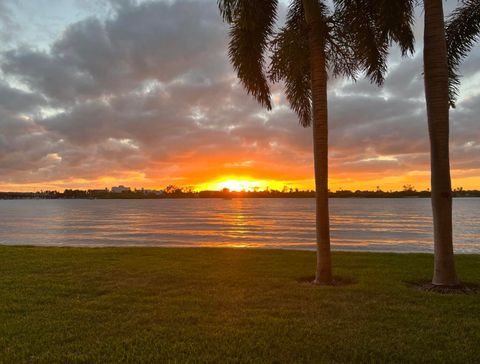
[(398, 225)]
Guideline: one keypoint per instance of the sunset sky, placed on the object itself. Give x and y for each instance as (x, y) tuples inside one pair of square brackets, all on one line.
[(96, 93)]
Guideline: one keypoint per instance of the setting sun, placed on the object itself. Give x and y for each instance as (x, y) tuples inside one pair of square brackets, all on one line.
[(236, 185), (241, 184)]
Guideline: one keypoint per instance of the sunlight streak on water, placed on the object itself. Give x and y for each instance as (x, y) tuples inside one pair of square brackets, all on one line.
[(356, 224)]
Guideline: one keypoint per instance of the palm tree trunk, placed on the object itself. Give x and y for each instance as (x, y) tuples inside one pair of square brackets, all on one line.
[(436, 94), (320, 139)]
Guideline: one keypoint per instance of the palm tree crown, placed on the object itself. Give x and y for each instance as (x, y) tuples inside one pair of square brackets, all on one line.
[(357, 34)]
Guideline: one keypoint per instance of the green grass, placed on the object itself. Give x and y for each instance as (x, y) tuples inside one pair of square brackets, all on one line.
[(80, 305)]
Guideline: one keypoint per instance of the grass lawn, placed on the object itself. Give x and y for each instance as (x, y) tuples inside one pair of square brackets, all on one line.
[(81, 305)]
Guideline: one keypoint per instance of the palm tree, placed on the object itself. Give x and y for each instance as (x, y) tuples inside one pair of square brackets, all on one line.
[(313, 40), (443, 53), (442, 57), (436, 72)]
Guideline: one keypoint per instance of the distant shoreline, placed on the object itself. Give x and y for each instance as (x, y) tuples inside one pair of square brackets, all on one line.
[(181, 193), (219, 198)]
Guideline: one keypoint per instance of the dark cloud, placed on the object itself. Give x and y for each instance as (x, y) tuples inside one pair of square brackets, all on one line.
[(54, 77), (15, 100), (155, 40)]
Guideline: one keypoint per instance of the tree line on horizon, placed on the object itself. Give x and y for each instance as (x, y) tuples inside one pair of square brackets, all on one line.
[(179, 192), (354, 38)]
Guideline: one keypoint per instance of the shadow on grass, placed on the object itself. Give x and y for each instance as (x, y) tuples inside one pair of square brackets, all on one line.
[(428, 286), (337, 281)]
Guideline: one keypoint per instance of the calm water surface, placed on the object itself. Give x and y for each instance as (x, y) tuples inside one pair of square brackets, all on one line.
[(356, 224)]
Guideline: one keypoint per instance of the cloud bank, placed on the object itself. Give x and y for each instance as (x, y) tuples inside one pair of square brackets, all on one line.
[(146, 96)]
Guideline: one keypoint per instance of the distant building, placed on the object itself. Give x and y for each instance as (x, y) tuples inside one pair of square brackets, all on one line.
[(120, 189)]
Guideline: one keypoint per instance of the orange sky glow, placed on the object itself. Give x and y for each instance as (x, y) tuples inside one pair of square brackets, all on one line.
[(248, 183)]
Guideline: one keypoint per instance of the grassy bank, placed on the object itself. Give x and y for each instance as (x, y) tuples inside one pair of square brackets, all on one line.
[(220, 305)]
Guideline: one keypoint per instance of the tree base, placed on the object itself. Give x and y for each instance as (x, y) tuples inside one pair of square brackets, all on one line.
[(336, 281), (464, 288)]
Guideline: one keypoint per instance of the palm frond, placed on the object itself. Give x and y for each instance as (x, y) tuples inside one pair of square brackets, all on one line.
[(462, 31), (252, 25), (290, 62), (395, 18), (228, 9), (339, 48), (373, 26), (359, 17)]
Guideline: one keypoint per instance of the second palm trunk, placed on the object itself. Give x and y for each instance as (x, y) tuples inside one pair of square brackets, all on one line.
[(320, 149), (436, 94)]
